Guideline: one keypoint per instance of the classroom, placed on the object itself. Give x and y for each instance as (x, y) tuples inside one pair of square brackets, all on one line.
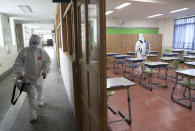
[(150, 53)]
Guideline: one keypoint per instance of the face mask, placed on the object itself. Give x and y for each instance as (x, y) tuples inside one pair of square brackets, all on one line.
[(34, 46)]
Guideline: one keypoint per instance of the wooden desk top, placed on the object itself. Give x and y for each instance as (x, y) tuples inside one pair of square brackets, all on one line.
[(191, 63), (133, 53), (191, 52), (118, 83), (190, 57), (177, 50), (168, 58), (154, 52), (188, 72), (136, 59), (155, 64), (152, 55), (111, 54), (170, 53), (121, 56)]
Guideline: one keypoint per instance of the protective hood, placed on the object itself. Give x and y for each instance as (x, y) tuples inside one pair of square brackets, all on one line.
[(35, 39), (141, 37)]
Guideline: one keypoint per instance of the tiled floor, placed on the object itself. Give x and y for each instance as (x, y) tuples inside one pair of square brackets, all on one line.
[(57, 113), (151, 110)]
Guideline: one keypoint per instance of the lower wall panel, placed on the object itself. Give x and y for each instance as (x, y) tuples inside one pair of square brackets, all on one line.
[(66, 68)]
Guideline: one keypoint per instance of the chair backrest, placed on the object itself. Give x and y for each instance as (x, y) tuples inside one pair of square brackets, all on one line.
[(167, 50), (146, 61), (175, 63)]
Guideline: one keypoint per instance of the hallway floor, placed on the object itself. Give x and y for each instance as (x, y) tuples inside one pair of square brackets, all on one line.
[(151, 110), (57, 113)]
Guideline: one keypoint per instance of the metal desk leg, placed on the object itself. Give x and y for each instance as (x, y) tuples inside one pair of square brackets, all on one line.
[(114, 66), (174, 86), (184, 92), (150, 81), (166, 71), (111, 109), (147, 85), (128, 120)]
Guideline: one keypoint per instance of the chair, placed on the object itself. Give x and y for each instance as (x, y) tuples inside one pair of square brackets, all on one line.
[(188, 85), (110, 93), (148, 72), (167, 50), (175, 65), (120, 61)]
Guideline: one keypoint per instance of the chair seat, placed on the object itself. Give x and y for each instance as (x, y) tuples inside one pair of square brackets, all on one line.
[(185, 83), (181, 68), (150, 71), (120, 62), (110, 93), (171, 66), (132, 65)]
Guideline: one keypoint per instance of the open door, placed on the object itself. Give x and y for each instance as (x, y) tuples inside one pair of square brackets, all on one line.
[(92, 64)]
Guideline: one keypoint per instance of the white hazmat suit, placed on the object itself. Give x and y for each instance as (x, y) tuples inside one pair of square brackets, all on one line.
[(140, 49), (32, 62)]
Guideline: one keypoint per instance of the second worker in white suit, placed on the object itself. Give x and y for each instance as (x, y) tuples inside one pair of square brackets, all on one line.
[(33, 64), (140, 49)]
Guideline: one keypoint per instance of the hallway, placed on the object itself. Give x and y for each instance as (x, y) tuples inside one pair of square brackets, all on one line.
[(57, 113)]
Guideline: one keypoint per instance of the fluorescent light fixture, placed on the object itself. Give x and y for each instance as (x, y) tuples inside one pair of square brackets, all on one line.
[(154, 15), (25, 8), (174, 11), (123, 5), (109, 12), (149, 1)]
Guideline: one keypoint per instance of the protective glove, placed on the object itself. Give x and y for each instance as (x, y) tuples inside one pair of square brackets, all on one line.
[(44, 75)]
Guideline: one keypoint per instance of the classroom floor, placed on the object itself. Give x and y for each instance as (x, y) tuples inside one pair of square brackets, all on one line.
[(151, 110)]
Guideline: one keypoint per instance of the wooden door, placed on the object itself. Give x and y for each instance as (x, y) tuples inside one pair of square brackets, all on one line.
[(92, 64)]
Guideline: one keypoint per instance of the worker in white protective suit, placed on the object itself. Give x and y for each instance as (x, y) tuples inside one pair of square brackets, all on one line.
[(140, 49), (33, 64)]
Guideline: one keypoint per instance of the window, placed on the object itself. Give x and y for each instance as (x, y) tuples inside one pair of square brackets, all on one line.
[(184, 33)]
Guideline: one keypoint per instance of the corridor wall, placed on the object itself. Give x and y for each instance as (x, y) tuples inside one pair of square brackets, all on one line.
[(8, 50)]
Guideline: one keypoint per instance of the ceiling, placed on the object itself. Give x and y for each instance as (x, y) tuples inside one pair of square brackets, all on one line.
[(141, 10), (43, 10), (41, 28)]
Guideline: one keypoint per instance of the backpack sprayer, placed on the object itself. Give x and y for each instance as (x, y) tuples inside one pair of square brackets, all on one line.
[(20, 84)]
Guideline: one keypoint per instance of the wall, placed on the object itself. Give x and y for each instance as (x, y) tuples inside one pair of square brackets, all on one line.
[(166, 28), (19, 36), (8, 52), (67, 75), (131, 23), (123, 43), (131, 30), (27, 33), (13, 32)]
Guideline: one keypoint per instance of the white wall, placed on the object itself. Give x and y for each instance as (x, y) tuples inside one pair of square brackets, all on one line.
[(131, 23), (166, 28), (13, 32), (8, 52), (27, 33), (67, 75)]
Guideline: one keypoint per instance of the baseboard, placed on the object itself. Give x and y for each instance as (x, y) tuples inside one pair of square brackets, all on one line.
[(8, 72)]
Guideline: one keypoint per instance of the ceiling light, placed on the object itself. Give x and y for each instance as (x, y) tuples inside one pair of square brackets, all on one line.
[(122, 5), (25, 8), (149, 1), (174, 11), (154, 15), (109, 12)]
